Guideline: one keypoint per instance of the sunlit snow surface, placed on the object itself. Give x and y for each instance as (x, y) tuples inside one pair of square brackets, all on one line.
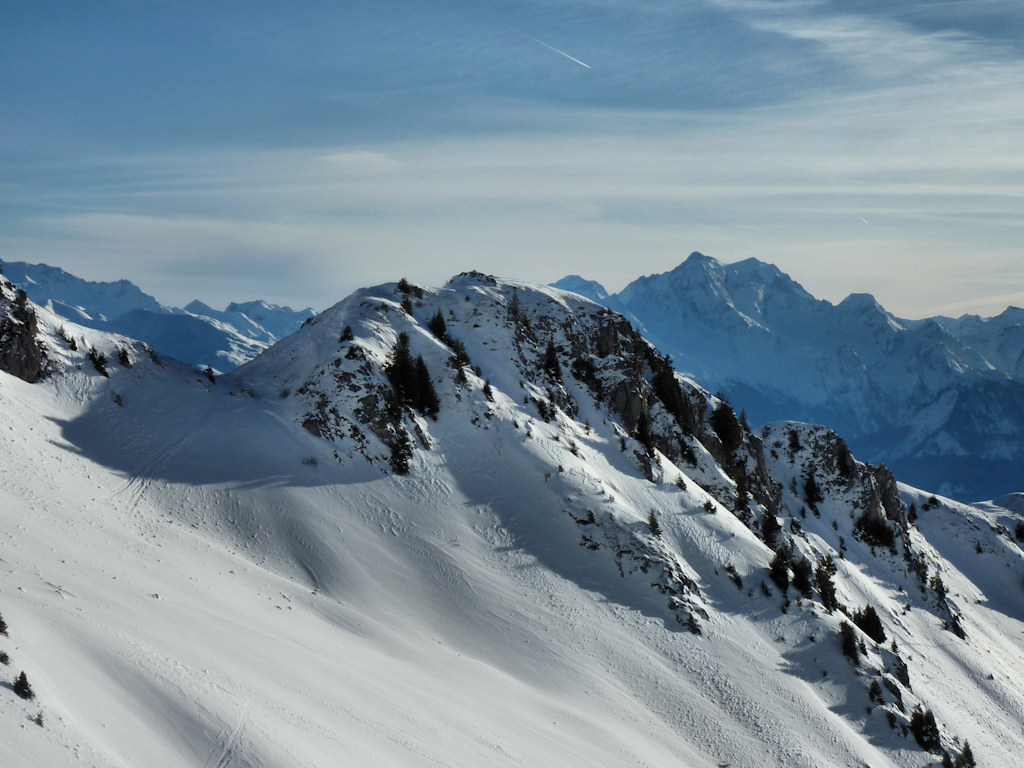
[(192, 579)]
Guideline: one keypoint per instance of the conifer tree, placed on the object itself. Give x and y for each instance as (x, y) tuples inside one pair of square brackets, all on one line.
[(551, 365), (925, 729), (812, 494), (849, 638), (437, 326), (401, 453), (655, 526), (966, 759), (770, 528), (515, 308), (779, 569), (401, 371), (869, 623), (22, 687), (643, 430), (427, 401), (723, 420), (823, 574), (802, 576)]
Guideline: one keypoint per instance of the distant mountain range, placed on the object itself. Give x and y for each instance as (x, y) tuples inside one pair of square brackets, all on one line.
[(197, 334), (940, 401)]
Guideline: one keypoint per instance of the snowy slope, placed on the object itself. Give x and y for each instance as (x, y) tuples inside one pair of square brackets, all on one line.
[(198, 334), (940, 401), (232, 573)]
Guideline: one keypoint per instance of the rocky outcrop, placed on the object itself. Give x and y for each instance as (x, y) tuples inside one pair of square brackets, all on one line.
[(21, 354)]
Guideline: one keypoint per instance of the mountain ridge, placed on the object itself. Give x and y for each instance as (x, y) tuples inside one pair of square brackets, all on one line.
[(579, 554), (221, 340), (900, 391)]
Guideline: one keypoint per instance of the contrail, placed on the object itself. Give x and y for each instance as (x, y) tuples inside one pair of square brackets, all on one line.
[(552, 48)]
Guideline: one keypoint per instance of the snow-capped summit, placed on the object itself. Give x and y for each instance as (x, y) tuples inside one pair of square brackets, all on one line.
[(940, 401), (591, 289)]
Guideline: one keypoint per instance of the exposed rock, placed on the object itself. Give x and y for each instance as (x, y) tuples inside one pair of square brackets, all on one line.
[(21, 354)]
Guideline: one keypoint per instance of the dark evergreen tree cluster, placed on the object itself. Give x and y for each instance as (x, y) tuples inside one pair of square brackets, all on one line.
[(437, 326), (873, 530), (779, 568), (551, 365), (869, 623), (794, 442), (123, 358), (407, 288), (515, 308), (653, 524), (803, 576), (925, 729), (642, 432), (848, 635), (401, 453), (68, 339), (725, 424), (812, 494), (770, 528), (411, 381), (823, 574), (22, 688), (99, 361), (742, 507), (347, 334), (966, 759)]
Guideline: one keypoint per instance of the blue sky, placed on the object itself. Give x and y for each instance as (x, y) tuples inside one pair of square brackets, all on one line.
[(295, 151)]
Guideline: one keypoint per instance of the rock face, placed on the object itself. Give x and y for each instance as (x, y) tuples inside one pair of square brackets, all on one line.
[(21, 354)]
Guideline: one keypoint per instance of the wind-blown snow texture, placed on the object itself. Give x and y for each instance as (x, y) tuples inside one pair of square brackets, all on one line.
[(573, 571), (940, 401), (197, 334)]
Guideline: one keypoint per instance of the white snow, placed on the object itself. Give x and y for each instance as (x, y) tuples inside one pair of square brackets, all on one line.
[(192, 579)]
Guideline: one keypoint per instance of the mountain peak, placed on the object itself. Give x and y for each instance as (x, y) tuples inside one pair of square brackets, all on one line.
[(698, 259), (590, 289), (861, 303)]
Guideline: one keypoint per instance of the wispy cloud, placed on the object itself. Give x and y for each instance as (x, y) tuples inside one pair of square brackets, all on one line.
[(429, 143), (363, 162)]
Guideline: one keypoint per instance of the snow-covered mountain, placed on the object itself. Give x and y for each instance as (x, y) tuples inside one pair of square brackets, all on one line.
[(939, 401), (1000, 339), (197, 334), (483, 524)]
